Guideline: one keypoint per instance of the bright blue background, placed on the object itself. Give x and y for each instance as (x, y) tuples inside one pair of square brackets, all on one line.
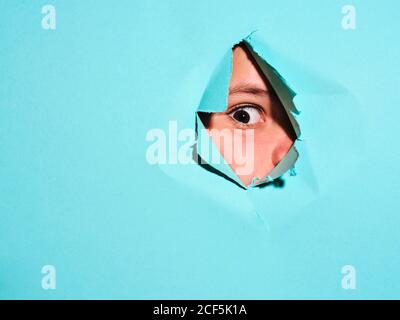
[(77, 192)]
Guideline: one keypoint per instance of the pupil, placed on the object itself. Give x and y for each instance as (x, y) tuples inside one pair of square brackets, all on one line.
[(242, 116)]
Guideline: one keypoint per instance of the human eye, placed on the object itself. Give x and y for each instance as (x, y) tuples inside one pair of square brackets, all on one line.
[(246, 114)]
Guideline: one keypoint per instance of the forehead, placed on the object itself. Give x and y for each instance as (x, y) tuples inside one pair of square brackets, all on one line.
[(244, 70)]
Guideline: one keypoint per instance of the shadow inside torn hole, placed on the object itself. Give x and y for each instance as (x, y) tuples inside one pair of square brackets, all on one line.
[(277, 183)]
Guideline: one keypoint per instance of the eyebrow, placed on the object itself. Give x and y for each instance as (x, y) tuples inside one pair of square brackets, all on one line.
[(249, 89)]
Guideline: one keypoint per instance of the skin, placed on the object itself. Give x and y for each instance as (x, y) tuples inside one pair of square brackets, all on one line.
[(252, 100)]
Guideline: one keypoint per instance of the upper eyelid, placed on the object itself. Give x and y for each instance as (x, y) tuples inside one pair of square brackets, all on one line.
[(244, 105)]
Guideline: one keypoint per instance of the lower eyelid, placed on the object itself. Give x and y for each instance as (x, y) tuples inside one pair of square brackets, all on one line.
[(240, 125)]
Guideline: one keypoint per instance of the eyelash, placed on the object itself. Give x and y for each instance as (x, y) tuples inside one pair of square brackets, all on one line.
[(241, 106)]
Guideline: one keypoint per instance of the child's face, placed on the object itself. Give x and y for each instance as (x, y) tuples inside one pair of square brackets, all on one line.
[(253, 105)]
